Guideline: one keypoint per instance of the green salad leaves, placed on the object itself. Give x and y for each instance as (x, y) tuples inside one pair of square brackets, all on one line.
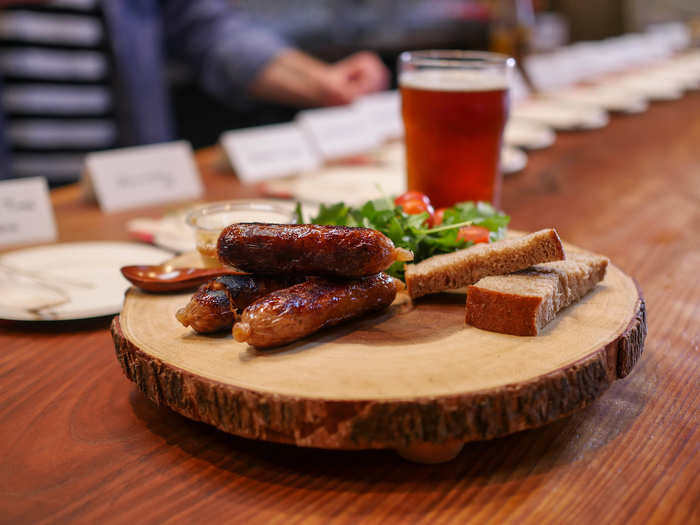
[(411, 231)]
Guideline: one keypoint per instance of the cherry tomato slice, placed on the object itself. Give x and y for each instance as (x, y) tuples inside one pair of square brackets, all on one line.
[(414, 207), (438, 216), (411, 196), (475, 234)]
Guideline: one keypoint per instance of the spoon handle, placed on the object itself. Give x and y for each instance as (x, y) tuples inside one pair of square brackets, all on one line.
[(157, 280)]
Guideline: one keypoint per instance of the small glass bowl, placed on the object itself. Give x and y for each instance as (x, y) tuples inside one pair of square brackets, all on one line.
[(209, 220)]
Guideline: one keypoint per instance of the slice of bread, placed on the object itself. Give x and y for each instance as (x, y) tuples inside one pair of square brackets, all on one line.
[(464, 267), (523, 303)]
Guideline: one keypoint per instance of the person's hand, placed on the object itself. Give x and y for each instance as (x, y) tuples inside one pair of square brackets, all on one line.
[(300, 80), (353, 76)]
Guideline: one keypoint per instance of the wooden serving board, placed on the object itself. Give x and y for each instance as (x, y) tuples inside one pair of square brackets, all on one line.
[(415, 378)]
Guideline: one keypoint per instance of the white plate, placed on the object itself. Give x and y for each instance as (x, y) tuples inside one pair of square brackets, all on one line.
[(652, 88), (512, 160), (527, 134), (561, 115), (82, 279), (355, 185), (392, 154), (611, 99), (685, 78), (170, 232)]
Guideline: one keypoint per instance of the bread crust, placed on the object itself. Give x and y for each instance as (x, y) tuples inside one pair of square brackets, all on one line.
[(524, 302), (464, 267)]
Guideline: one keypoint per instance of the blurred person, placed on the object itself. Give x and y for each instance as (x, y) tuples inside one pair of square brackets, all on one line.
[(331, 30), (85, 75)]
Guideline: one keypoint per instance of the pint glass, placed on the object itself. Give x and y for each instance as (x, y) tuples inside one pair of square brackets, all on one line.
[(454, 106)]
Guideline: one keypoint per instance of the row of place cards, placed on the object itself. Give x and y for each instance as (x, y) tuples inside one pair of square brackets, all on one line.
[(316, 136), (147, 175), (119, 179)]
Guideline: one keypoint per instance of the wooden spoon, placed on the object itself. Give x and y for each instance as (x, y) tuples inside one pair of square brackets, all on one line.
[(167, 278)]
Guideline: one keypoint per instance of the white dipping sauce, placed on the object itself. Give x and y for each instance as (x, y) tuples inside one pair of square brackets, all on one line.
[(222, 219)]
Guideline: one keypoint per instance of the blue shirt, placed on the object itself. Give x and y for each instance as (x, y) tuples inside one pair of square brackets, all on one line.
[(221, 45)]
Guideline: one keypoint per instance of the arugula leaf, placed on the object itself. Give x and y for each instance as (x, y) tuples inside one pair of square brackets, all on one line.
[(336, 214), (409, 231), (298, 214)]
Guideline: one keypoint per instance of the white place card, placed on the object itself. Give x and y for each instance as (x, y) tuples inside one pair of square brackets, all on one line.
[(25, 212), (268, 152), (340, 131), (133, 177), (384, 112)]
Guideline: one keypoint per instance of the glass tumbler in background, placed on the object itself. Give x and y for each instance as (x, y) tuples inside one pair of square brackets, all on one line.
[(209, 220), (454, 106)]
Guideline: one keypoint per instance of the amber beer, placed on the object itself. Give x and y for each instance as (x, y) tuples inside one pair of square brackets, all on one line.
[(453, 121)]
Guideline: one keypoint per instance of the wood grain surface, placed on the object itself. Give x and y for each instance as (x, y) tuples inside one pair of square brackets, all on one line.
[(81, 444)]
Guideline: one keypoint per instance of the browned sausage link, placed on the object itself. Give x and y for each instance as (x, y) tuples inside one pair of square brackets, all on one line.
[(290, 314), (245, 289), (307, 249), (214, 306), (208, 311)]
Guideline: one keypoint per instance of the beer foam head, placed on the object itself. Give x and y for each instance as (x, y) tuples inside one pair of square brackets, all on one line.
[(454, 80)]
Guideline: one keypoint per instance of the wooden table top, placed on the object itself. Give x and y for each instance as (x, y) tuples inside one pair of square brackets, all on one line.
[(81, 444)]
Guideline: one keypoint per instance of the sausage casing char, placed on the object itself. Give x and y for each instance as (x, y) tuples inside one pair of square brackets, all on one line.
[(307, 249), (216, 304), (292, 313)]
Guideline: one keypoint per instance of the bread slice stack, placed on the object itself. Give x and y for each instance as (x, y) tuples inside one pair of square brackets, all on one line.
[(524, 302), (515, 286)]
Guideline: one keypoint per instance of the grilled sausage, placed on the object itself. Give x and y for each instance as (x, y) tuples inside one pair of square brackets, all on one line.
[(292, 313), (215, 304), (208, 311), (307, 249)]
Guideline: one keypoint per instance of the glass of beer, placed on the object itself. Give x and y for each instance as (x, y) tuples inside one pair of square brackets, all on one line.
[(454, 106)]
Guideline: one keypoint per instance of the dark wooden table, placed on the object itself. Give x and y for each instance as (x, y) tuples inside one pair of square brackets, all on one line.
[(79, 443)]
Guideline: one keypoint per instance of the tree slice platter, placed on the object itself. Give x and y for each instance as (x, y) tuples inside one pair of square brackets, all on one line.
[(414, 378)]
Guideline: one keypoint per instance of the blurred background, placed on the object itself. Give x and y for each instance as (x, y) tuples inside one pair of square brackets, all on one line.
[(333, 29), (194, 104)]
